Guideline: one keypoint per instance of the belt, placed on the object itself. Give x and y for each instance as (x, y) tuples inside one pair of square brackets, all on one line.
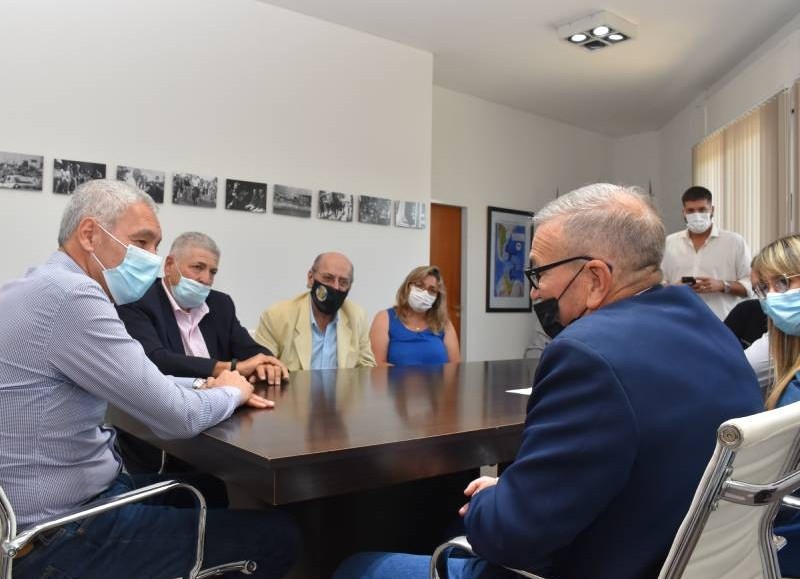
[(40, 538)]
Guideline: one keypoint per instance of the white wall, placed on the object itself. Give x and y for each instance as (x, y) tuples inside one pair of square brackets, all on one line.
[(486, 154), (232, 88), (636, 161)]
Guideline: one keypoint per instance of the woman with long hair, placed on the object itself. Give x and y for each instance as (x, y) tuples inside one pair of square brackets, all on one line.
[(776, 270), (776, 282), (416, 330)]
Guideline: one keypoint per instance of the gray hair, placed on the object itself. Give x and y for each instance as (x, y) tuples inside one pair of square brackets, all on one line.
[(193, 239), (105, 200), (613, 222)]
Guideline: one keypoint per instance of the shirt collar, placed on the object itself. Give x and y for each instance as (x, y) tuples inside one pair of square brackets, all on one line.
[(63, 258), (314, 323)]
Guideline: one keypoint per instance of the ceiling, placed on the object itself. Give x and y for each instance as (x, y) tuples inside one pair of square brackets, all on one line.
[(507, 51)]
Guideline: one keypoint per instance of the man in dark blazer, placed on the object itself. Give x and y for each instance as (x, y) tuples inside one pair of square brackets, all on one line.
[(188, 329), (622, 420)]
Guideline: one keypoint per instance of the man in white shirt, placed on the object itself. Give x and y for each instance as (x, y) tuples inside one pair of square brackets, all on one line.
[(715, 263)]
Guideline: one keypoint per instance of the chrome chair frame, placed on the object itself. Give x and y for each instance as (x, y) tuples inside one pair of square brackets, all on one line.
[(12, 543)]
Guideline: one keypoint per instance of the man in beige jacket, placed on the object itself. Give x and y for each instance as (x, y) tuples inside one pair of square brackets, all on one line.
[(319, 329)]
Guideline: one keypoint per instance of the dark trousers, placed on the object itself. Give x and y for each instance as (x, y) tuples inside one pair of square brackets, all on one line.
[(157, 539)]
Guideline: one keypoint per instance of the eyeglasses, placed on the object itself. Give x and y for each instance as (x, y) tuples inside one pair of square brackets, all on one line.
[(779, 285), (534, 274), (432, 290), (330, 279)]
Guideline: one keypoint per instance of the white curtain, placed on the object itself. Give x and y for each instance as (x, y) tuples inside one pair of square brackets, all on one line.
[(745, 166)]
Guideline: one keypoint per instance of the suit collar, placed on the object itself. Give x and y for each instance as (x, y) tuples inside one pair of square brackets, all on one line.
[(173, 334), (344, 334), (302, 333)]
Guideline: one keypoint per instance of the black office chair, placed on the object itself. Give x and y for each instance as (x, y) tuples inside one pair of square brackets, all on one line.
[(13, 544)]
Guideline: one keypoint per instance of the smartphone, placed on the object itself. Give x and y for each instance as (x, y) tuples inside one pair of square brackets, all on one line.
[(687, 279)]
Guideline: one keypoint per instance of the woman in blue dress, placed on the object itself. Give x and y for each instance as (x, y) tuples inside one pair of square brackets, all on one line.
[(776, 273), (416, 330)]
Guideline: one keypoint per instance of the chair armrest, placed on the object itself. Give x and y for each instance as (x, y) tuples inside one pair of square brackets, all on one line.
[(13, 546), (791, 501), (440, 555)]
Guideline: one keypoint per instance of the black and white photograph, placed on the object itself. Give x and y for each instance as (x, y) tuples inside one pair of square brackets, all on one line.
[(21, 171), (409, 214), (292, 201), (335, 206), (376, 210), (67, 175), (151, 182), (190, 189), (245, 196)]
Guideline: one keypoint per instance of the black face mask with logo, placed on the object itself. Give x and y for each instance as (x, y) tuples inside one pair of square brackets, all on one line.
[(548, 313), (327, 299)]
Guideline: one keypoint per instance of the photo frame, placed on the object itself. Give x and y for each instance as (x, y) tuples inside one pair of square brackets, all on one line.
[(508, 243), (21, 171)]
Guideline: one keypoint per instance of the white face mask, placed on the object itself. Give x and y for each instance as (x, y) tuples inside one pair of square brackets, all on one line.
[(698, 222), (420, 300)]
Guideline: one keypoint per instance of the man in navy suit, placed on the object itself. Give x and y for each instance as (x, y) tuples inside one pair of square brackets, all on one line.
[(626, 402), (188, 329)]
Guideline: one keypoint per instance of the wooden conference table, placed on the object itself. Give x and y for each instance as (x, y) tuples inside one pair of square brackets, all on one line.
[(334, 432)]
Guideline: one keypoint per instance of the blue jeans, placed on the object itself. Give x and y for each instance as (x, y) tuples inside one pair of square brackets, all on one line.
[(157, 539), (403, 566)]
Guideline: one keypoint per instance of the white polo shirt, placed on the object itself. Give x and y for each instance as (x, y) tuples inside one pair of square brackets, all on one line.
[(724, 256)]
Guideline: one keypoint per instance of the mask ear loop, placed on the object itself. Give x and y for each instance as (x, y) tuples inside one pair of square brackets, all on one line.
[(574, 277), (99, 262), (111, 235)]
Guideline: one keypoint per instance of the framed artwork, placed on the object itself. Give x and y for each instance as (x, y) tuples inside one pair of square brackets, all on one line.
[(508, 244), (20, 171), (191, 189), (335, 206), (291, 201), (149, 181), (245, 196), (409, 214), (375, 210), (67, 175)]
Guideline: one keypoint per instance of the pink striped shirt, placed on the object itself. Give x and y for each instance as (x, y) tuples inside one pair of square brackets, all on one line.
[(193, 342)]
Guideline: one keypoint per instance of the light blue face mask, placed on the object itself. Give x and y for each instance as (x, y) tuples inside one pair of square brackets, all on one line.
[(784, 310), (189, 293), (130, 279)]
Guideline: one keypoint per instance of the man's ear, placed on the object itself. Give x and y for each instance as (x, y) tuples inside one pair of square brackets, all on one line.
[(310, 280), (86, 234), (600, 282)]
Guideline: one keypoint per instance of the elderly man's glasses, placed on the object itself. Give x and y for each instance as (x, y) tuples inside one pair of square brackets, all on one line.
[(330, 279), (534, 274), (779, 285)]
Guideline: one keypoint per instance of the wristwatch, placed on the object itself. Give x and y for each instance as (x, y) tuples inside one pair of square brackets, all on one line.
[(726, 287), (199, 383), (233, 364)]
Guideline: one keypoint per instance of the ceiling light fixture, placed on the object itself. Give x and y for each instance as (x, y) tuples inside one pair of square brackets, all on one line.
[(597, 31)]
